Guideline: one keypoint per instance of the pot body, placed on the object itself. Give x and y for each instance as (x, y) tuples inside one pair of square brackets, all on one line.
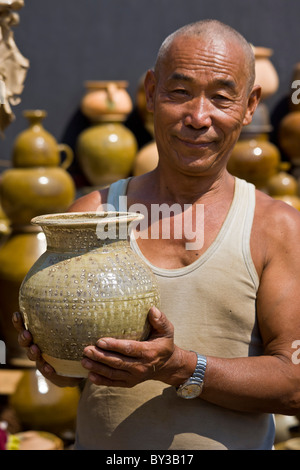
[(254, 159), (106, 153), (84, 288), (29, 192), (41, 405)]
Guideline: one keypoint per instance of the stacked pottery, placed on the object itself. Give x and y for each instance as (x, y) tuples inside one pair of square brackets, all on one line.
[(107, 149), (87, 285), (289, 127), (254, 157), (37, 183)]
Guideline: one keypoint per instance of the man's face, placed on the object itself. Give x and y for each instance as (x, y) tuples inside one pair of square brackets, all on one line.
[(200, 102)]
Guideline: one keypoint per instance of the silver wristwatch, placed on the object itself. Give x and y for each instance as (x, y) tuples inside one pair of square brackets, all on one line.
[(192, 388)]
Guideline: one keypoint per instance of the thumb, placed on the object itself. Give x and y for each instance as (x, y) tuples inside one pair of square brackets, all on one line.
[(160, 324)]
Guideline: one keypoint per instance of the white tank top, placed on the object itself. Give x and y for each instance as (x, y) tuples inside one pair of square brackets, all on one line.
[(211, 304)]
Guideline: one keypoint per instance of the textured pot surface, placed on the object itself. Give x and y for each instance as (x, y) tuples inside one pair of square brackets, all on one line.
[(84, 287)]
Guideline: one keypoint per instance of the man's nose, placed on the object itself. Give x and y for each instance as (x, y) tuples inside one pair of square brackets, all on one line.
[(199, 113)]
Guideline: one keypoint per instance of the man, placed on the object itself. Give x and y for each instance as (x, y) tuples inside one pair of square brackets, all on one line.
[(233, 299)]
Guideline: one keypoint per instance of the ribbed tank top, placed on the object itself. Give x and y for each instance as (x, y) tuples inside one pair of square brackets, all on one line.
[(211, 304)]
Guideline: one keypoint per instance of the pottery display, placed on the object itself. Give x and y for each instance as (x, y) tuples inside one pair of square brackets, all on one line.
[(146, 159), (41, 405), (88, 284), (265, 72), (38, 183), (106, 101)]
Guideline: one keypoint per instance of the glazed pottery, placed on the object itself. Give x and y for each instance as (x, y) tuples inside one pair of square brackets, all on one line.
[(41, 405), (106, 101), (106, 152), (254, 159), (18, 253), (146, 159), (38, 183), (282, 184), (89, 284), (289, 136), (265, 72)]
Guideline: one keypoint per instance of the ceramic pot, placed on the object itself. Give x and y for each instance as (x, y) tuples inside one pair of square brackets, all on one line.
[(41, 405), (37, 173), (17, 254), (36, 147), (265, 72), (146, 159), (289, 136), (254, 159), (106, 153), (106, 100), (282, 184), (87, 285)]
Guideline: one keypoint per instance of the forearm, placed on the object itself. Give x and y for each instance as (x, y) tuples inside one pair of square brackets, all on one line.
[(266, 384)]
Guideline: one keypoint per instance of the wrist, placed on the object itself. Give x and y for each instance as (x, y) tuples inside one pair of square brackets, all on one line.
[(193, 386), (179, 367)]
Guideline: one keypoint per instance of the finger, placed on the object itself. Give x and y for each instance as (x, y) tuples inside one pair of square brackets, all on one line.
[(34, 353), (24, 338), (161, 325), (128, 348), (18, 321), (105, 371)]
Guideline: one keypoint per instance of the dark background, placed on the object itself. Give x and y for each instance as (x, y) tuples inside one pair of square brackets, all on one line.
[(71, 41)]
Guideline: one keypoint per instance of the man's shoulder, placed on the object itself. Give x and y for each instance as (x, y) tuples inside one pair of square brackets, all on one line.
[(275, 217), (92, 201)]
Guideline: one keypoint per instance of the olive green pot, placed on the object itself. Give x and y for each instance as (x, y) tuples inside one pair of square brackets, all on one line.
[(88, 284)]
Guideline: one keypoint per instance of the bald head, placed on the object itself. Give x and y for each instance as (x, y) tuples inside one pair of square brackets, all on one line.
[(210, 30)]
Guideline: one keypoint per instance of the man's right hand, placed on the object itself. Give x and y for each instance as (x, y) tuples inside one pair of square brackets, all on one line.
[(25, 340)]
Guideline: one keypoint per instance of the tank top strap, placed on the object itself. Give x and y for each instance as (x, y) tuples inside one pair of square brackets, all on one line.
[(117, 190)]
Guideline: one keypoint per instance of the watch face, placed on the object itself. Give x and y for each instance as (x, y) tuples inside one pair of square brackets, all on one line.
[(189, 391)]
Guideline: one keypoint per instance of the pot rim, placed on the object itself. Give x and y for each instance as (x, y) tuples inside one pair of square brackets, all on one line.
[(92, 218)]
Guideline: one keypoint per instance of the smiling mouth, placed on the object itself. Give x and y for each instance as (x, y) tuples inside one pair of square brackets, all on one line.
[(195, 144)]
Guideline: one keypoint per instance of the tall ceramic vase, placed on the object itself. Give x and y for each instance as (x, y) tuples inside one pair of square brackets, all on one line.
[(107, 149), (88, 284), (37, 183)]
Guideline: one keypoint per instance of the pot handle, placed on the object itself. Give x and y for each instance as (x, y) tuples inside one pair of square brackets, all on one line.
[(68, 155)]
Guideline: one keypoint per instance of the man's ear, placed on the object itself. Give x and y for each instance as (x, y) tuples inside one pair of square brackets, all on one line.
[(150, 85), (253, 101)]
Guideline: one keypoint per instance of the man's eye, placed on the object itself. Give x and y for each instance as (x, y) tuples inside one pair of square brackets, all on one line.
[(180, 91), (221, 97)]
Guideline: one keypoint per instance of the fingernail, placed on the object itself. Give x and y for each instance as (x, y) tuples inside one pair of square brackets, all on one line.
[(156, 313), (16, 317), (101, 344)]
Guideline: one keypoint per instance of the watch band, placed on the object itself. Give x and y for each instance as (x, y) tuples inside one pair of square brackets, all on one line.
[(192, 387), (200, 368)]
